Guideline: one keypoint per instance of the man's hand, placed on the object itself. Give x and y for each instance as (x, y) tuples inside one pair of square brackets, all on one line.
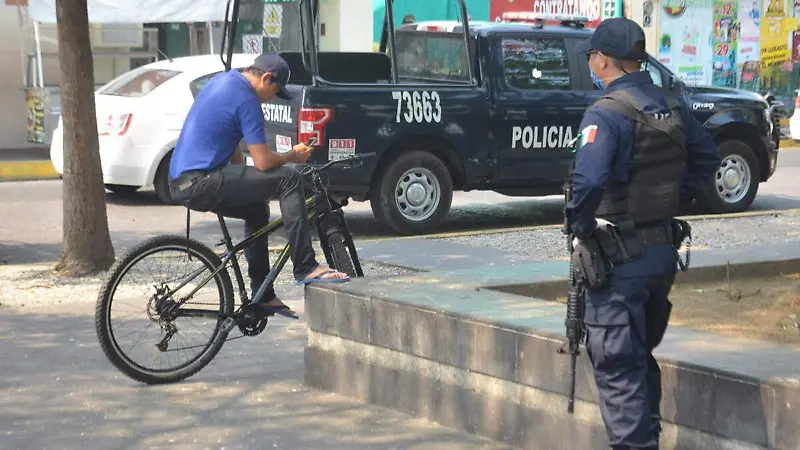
[(301, 153)]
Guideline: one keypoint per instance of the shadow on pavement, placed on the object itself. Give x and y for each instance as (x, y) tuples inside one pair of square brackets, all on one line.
[(57, 390)]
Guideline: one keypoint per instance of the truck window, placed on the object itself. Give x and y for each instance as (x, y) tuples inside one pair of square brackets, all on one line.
[(655, 74), (536, 63), (433, 56)]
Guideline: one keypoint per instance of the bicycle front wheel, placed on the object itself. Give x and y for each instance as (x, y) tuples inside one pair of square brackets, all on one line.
[(342, 260), (168, 341)]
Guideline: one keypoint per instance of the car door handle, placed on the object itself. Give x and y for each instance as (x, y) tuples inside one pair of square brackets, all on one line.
[(516, 114)]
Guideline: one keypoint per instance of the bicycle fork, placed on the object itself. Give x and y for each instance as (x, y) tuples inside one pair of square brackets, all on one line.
[(332, 222)]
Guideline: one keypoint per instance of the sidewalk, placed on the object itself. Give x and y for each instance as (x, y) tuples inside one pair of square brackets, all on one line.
[(30, 163)]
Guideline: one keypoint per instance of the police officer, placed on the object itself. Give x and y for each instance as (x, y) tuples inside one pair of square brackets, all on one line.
[(641, 156)]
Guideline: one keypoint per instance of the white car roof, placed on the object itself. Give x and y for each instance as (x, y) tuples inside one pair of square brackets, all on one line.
[(202, 64)]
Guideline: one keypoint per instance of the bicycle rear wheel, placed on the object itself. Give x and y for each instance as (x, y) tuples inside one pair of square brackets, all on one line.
[(166, 331)]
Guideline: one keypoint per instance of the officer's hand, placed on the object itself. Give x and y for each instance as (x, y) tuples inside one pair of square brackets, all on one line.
[(575, 242), (302, 152)]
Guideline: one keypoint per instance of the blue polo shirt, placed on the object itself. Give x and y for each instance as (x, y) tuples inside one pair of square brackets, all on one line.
[(225, 112)]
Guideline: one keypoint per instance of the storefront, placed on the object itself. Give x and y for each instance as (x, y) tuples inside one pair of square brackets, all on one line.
[(594, 10), (731, 43)]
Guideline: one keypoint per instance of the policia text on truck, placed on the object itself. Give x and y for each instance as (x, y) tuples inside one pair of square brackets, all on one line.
[(497, 117)]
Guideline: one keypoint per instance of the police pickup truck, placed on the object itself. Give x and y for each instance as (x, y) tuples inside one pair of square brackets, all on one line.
[(498, 118)]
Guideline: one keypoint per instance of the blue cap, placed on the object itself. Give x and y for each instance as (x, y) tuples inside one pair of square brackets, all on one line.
[(615, 38), (279, 70)]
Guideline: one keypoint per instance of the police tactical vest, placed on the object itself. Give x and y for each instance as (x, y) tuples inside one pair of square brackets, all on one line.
[(656, 167)]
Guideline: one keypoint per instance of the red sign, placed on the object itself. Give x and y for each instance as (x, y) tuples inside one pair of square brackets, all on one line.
[(591, 9), (796, 46)]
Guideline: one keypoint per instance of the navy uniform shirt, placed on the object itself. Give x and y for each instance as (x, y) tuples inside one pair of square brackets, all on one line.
[(607, 142)]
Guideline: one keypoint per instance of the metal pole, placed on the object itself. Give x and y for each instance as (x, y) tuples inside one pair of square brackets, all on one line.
[(232, 36), (390, 30), (210, 38), (38, 40)]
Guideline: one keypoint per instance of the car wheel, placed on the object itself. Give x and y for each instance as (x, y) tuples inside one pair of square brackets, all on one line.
[(161, 181), (122, 188), (412, 194), (734, 185)]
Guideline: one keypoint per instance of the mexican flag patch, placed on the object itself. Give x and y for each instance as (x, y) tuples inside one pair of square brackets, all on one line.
[(588, 135)]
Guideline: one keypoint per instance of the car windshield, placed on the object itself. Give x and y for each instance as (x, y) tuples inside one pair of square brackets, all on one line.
[(138, 82)]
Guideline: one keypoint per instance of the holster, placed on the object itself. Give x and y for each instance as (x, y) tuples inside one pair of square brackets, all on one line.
[(621, 244), (590, 264)]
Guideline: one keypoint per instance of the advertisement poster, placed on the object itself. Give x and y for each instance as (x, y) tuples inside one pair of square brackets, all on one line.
[(33, 101), (748, 47), (724, 39), (774, 34), (685, 39), (796, 46), (594, 10)]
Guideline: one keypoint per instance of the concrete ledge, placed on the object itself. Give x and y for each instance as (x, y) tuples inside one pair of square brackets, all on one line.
[(27, 170), (440, 346)]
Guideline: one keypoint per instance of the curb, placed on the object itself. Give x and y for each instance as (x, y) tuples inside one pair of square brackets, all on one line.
[(27, 170), (559, 225)]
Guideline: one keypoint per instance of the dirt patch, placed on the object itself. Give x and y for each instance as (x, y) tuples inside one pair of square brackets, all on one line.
[(760, 308)]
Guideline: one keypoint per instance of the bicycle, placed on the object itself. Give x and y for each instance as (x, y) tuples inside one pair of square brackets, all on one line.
[(164, 307)]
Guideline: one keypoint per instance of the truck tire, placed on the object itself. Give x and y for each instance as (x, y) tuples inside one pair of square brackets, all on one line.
[(161, 181), (734, 185), (412, 194)]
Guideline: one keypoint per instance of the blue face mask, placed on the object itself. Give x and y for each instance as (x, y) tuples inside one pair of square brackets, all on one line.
[(596, 80)]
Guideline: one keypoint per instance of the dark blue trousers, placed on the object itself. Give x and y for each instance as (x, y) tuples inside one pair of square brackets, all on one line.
[(625, 322)]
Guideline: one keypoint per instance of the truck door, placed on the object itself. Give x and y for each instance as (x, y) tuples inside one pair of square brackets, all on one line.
[(537, 110)]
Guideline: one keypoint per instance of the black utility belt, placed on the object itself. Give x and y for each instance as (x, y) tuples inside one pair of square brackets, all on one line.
[(613, 245)]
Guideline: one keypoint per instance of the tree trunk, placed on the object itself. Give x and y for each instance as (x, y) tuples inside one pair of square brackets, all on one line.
[(87, 244)]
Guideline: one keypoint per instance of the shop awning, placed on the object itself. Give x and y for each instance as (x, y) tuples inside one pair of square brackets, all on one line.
[(141, 11)]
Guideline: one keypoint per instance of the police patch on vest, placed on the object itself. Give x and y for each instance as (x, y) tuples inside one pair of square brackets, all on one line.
[(588, 135)]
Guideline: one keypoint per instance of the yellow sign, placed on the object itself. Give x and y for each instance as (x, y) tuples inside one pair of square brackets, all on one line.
[(273, 20), (774, 34)]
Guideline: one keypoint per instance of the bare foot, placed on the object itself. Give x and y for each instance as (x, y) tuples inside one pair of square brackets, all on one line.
[(332, 274)]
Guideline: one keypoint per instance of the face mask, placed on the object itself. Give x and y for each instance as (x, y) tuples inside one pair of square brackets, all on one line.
[(596, 80)]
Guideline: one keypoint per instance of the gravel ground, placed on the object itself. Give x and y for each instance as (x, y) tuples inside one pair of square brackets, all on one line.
[(35, 284), (712, 234)]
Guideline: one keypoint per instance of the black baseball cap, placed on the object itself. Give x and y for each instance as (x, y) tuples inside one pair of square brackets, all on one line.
[(616, 38), (275, 65)]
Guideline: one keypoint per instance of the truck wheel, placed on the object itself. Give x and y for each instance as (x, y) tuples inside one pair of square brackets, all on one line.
[(412, 194), (161, 181), (735, 184)]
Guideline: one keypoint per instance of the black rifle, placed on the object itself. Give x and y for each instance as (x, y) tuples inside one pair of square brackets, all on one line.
[(576, 304)]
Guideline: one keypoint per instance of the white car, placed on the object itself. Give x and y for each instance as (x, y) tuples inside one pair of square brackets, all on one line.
[(794, 121), (139, 118)]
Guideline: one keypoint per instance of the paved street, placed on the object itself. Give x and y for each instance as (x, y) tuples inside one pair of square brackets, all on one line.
[(136, 217), (57, 391)]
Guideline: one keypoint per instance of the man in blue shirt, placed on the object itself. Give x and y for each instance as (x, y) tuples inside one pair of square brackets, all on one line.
[(642, 154), (208, 170)]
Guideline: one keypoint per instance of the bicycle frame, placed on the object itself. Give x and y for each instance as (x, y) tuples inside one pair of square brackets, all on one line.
[(319, 210)]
